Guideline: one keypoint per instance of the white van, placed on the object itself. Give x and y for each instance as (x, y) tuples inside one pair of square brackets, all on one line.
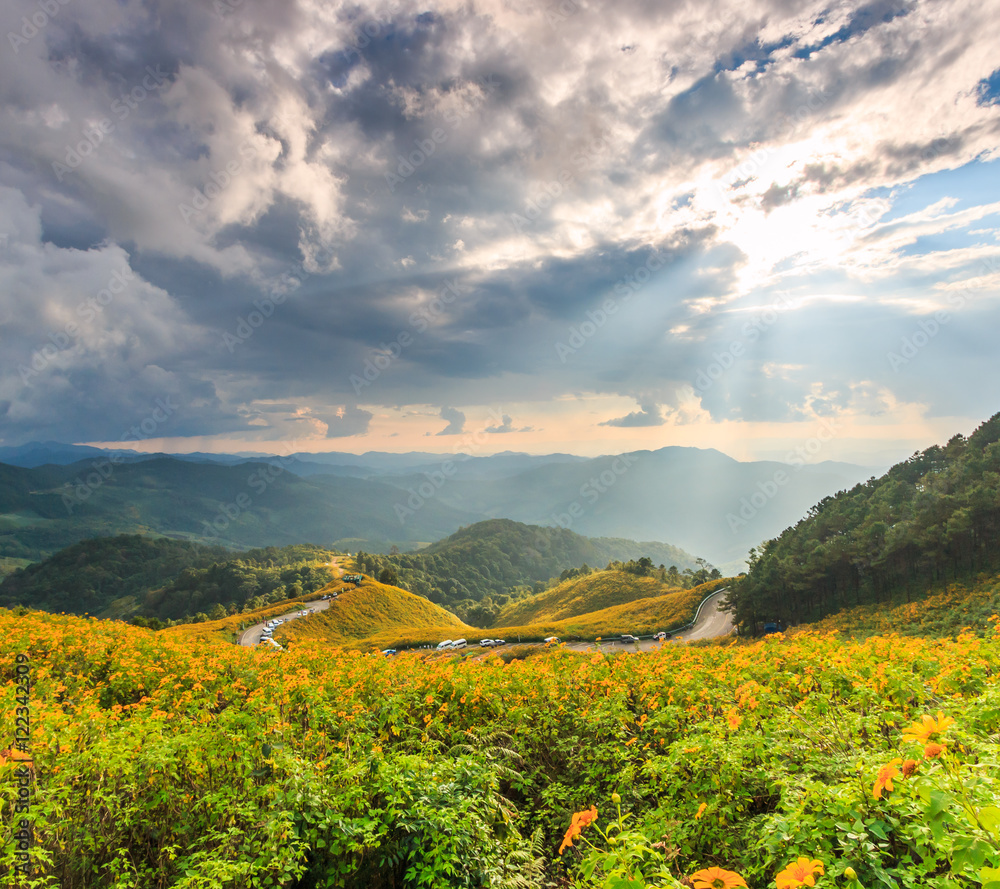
[(444, 645), (459, 643)]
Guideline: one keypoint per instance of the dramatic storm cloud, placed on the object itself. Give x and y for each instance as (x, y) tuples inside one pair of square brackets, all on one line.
[(616, 226)]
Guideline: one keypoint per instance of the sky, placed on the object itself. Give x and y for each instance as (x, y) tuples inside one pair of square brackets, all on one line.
[(252, 225)]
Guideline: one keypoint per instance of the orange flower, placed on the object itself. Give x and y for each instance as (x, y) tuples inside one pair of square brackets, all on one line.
[(800, 873), (579, 822), (701, 811), (716, 878), (933, 751), (733, 718), (884, 780), (922, 731), (909, 767)]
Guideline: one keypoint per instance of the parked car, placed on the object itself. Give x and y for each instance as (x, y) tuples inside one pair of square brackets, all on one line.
[(551, 640), (443, 646), (487, 643), (659, 637), (459, 643), (497, 642), (629, 639), (388, 652)]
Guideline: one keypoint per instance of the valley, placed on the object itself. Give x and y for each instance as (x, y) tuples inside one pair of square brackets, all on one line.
[(295, 700)]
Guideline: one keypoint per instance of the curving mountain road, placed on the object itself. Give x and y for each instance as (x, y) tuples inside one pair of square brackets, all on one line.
[(250, 637), (711, 621)]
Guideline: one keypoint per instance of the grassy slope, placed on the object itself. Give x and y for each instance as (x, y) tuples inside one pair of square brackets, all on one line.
[(581, 595), (669, 611), (376, 615), (944, 611), (373, 608)]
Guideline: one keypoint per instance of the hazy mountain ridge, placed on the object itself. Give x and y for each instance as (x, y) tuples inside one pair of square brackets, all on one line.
[(698, 499)]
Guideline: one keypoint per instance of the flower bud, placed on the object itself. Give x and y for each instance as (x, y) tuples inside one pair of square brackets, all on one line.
[(849, 874), (616, 799)]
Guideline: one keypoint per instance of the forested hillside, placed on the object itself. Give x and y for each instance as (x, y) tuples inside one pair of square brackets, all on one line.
[(475, 571), (150, 579), (931, 518)]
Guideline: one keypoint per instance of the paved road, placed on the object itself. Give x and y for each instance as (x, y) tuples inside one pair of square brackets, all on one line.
[(250, 637), (711, 622)]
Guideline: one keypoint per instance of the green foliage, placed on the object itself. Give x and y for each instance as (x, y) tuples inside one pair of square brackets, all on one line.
[(932, 518), (158, 579), (162, 761)]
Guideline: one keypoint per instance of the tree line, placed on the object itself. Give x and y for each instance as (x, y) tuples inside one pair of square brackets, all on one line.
[(931, 518)]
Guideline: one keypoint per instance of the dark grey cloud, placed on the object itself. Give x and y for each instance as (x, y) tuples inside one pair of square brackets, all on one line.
[(505, 426), (455, 420), (648, 415), (350, 420), (354, 168)]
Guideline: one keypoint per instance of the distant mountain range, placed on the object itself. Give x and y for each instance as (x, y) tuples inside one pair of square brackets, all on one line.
[(53, 494)]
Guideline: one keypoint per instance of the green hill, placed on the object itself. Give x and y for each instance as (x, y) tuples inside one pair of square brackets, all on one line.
[(474, 571), (132, 576), (929, 519), (370, 609)]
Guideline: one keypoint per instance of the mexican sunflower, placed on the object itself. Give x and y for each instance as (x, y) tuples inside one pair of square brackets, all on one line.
[(933, 751), (922, 731), (716, 878), (799, 873), (579, 822), (884, 779)]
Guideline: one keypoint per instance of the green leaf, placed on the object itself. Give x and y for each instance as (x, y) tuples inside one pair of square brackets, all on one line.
[(990, 877), (939, 802), (989, 816)]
